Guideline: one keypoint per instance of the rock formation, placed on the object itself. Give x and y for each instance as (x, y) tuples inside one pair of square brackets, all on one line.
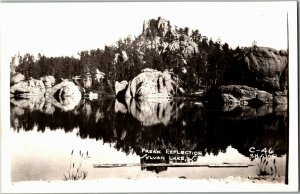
[(149, 83), (265, 68), (160, 35), (30, 87), (65, 95), (280, 97), (121, 86), (66, 88), (121, 57), (16, 78), (158, 27), (241, 95)]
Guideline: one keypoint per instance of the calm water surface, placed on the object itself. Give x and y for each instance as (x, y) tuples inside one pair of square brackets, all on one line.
[(106, 138)]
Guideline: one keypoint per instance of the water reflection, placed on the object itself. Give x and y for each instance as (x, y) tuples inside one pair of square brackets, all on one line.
[(248, 112), (150, 112), (46, 105), (135, 126), (165, 124)]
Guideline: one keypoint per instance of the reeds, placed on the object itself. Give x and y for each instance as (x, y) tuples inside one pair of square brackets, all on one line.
[(77, 169), (267, 167)]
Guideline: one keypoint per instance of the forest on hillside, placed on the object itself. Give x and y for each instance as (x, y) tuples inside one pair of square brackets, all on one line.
[(211, 65)]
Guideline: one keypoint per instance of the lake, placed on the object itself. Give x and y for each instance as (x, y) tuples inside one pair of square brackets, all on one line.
[(163, 138)]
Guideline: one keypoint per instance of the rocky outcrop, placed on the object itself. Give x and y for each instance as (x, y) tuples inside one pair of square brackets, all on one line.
[(280, 97), (16, 78), (149, 83), (159, 27), (240, 95), (30, 87), (265, 68), (66, 88), (121, 57), (65, 95), (161, 36), (120, 86)]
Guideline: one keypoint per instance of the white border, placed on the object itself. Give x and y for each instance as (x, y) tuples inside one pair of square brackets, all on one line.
[(293, 98)]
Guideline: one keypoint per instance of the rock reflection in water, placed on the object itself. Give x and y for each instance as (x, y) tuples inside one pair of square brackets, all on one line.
[(151, 111), (173, 124), (47, 105), (248, 112)]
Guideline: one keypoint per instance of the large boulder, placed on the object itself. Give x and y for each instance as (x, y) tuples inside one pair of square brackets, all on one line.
[(150, 84), (265, 68), (120, 86), (66, 95), (232, 96), (30, 87), (66, 88), (16, 78), (240, 94), (281, 98)]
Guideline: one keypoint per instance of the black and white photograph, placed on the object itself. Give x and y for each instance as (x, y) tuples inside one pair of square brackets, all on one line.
[(149, 96)]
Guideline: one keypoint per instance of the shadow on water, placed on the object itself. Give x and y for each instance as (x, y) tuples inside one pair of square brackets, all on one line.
[(160, 124)]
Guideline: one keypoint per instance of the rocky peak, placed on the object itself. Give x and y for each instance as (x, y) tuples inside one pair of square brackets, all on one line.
[(155, 27), (160, 35)]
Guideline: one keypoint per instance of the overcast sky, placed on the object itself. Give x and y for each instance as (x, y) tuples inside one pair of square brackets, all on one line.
[(65, 29)]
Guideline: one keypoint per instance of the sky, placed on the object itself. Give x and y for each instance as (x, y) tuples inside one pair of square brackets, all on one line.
[(57, 29)]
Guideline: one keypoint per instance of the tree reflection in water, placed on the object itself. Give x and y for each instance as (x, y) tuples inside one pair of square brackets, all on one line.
[(160, 124)]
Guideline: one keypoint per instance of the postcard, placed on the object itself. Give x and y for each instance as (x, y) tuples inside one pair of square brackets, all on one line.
[(149, 97)]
